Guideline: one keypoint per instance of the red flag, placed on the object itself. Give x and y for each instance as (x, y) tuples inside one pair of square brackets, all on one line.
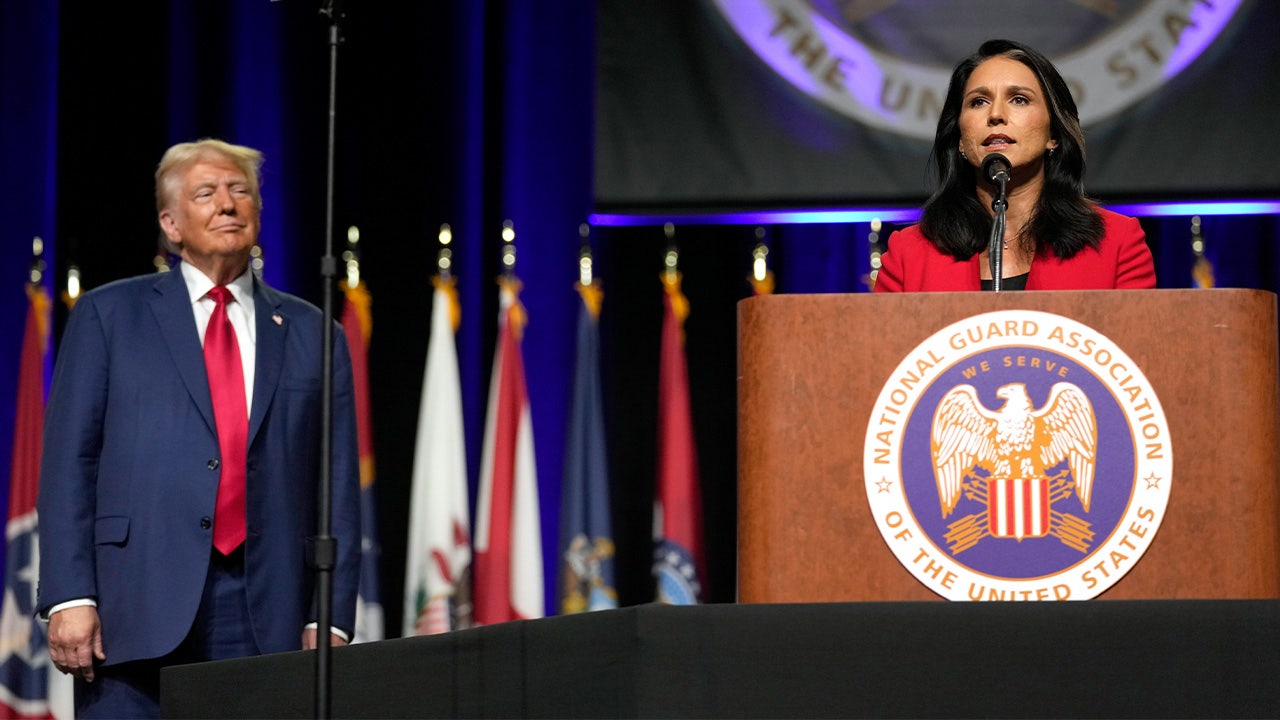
[(28, 419), (357, 325), (508, 541), (29, 686), (677, 532)]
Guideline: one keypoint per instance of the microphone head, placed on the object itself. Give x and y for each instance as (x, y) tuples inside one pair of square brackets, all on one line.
[(996, 165)]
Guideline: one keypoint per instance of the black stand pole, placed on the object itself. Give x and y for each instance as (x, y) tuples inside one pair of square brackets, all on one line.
[(996, 245), (324, 546)]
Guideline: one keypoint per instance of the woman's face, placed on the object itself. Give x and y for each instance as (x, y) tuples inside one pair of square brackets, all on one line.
[(1004, 111)]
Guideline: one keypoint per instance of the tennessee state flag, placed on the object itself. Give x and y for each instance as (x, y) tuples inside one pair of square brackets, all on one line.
[(678, 564), (30, 687), (508, 539)]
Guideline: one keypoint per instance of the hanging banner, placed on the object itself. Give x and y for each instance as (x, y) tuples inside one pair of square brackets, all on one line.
[(744, 102)]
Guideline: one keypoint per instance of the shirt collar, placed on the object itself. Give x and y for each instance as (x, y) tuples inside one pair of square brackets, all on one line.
[(199, 284)]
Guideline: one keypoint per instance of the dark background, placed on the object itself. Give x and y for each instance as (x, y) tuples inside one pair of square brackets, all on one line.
[(689, 115), (471, 113)]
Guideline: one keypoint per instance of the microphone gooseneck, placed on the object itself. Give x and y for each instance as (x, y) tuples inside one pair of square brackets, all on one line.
[(996, 169)]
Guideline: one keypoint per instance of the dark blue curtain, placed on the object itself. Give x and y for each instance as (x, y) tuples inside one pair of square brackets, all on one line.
[(28, 112)]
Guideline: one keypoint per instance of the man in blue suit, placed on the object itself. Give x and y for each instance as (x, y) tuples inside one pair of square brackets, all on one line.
[(160, 543)]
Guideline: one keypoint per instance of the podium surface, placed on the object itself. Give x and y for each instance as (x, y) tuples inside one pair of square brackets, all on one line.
[(1151, 659), (812, 366)]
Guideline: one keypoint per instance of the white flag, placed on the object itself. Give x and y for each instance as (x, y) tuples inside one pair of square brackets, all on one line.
[(437, 574)]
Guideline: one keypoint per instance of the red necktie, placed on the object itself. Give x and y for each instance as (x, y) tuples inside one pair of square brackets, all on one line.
[(231, 414)]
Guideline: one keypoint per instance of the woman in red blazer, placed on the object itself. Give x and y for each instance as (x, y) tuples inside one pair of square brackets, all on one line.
[(1009, 99)]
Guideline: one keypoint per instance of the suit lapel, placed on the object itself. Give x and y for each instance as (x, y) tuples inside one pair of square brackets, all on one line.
[(272, 327), (171, 305)]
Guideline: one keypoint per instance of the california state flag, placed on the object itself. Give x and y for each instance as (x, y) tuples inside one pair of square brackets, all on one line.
[(508, 539), (437, 572)]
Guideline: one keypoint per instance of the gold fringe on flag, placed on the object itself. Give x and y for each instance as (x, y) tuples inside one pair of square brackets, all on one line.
[(517, 316), (362, 302), (449, 286), (40, 302)]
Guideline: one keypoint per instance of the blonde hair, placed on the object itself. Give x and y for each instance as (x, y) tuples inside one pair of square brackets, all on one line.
[(178, 157)]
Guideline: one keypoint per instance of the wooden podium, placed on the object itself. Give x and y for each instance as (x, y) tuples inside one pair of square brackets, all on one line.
[(811, 368)]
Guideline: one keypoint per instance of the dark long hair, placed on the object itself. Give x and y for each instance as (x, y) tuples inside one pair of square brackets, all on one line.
[(1064, 221)]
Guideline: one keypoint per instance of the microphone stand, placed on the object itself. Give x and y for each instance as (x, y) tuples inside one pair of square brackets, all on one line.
[(995, 247), (324, 546)]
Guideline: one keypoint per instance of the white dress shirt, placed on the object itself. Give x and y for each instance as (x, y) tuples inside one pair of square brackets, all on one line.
[(240, 313)]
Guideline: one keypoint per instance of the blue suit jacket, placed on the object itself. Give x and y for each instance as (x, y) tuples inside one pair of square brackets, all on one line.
[(129, 473)]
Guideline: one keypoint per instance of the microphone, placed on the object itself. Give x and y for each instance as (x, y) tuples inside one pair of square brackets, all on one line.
[(996, 169)]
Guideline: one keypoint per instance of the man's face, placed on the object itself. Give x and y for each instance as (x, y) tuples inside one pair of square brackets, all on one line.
[(213, 214)]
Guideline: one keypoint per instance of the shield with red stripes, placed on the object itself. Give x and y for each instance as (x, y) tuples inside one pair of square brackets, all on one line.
[(1018, 507)]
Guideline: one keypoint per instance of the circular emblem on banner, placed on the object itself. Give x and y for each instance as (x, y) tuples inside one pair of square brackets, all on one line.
[(1018, 455), (887, 64)]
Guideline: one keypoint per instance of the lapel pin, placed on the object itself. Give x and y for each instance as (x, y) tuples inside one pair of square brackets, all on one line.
[(277, 319)]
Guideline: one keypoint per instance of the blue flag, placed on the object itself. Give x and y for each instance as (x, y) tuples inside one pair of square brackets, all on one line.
[(586, 531)]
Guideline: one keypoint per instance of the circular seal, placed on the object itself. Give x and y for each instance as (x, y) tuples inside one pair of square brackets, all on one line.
[(1018, 455), (677, 574), (886, 66)]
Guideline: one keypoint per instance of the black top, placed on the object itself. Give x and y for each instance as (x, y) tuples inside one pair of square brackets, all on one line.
[(1016, 282)]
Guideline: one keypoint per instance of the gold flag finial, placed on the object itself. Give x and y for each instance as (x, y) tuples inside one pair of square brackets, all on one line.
[(517, 318), (1201, 268), (508, 247), (36, 274), (353, 287), (351, 258), (444, 279), (587, 286), (36, 293), (444, 256), (257, 260), (72, 292), (671, 277), (875, 251), (671, 262), (761, 275)]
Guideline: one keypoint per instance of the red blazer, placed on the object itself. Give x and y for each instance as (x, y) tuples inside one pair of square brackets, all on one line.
[(1122, 260)]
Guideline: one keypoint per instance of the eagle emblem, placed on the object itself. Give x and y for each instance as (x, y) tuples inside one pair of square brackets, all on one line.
[(1017, 461)]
